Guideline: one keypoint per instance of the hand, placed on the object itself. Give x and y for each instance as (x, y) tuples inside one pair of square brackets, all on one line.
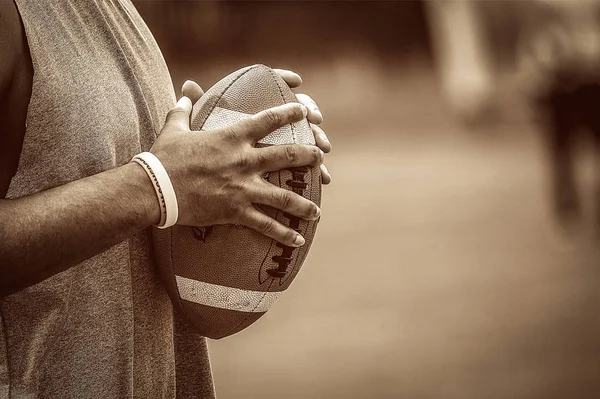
[(314, 116), (217, 175)]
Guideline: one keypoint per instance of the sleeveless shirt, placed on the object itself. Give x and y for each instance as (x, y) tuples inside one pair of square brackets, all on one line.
[(104, 328)]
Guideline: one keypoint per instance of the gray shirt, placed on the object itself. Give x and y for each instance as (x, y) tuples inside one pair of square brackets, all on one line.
[(104, 328)]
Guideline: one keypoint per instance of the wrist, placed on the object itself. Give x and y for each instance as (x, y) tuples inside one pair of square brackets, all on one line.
[(165, 193), (144, 192)]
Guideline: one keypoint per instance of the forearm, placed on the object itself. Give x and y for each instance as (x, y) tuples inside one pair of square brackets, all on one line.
[(48, 232)]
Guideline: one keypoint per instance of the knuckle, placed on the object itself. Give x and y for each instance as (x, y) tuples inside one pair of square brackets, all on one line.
[(312, 210), (242, 162), (230, 133), (283, 199), (291, 154), (174, 112), (237, 212), (272, 117), (262, 160), (298, 112), (240, 130), (317, 155), (267, 226)]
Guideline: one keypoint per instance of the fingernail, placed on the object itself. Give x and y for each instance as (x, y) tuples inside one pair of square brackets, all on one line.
[(299, 241), (304, 110), (318, 112), (184, 102), (184, 86), (318, 214)]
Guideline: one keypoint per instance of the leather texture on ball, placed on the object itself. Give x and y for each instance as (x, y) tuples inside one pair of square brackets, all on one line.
[(223, 278)]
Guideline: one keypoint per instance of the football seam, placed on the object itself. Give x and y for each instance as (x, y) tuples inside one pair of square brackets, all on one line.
[(225, 91)]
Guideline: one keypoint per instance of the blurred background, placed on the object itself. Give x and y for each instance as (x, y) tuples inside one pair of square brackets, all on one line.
[(457, 255)]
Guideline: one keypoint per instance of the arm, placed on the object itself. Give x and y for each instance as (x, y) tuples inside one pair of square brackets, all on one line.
[(48, 232)]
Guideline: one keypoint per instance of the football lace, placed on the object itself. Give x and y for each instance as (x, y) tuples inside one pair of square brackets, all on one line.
[(284, 260)]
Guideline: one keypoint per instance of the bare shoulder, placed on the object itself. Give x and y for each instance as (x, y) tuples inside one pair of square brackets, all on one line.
[(11, 43), (16, 74)]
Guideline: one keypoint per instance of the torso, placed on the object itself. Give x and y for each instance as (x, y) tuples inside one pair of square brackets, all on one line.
[(100, 92)]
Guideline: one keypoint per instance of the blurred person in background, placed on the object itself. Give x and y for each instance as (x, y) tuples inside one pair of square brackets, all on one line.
[(84, 88), (559, 60), (462, 57), (554, 52)]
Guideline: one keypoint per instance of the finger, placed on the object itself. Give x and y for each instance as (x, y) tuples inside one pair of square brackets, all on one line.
[(277, 157), (271, 228), (314, 113), (179, 117), (291, 78), (192, 90), (325, 175), (321, 138), (285, 200), (265, 122)]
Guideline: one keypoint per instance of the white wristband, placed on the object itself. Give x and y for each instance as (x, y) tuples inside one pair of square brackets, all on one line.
[(169, 211)]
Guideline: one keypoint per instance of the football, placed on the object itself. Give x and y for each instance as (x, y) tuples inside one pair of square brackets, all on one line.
[(223, 278)]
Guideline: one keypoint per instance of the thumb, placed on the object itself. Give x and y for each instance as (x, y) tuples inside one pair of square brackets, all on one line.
[(179, 117), (192, 90)]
